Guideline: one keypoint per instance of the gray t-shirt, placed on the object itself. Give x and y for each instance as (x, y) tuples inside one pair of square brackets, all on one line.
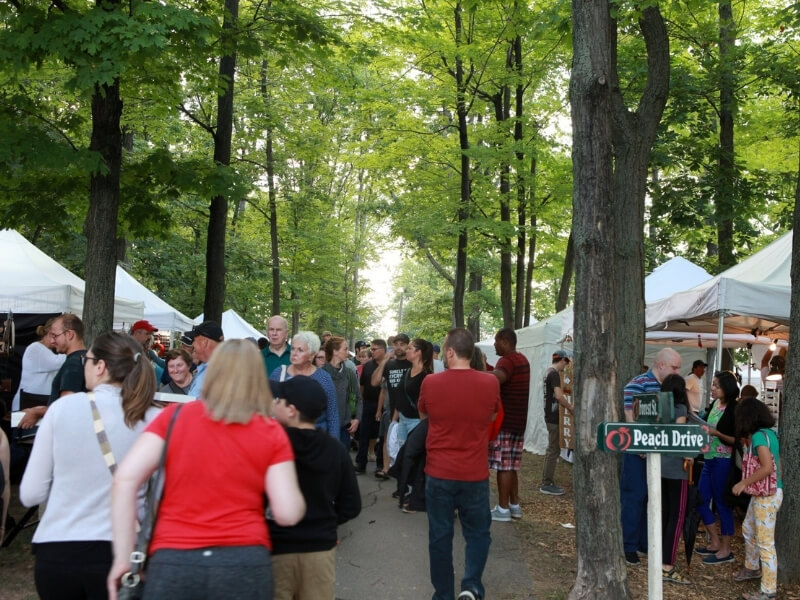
[(672, 464)]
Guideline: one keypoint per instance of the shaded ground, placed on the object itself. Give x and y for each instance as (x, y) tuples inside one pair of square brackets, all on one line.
[(547, 546)]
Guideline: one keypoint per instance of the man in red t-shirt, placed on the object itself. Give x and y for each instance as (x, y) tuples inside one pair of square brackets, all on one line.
[(514, 374), (459, 404)]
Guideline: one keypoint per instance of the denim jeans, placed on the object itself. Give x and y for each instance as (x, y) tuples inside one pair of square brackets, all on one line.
[(405, 426), (712, 484), (471, 498), (633, 500)]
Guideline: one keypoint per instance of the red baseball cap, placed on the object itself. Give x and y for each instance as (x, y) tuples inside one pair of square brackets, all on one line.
[(143, 324)]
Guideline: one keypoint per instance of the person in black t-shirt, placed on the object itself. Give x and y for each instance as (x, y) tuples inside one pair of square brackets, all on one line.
[(370, 417)]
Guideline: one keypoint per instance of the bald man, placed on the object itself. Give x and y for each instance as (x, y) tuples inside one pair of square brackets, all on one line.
[(633, 493)]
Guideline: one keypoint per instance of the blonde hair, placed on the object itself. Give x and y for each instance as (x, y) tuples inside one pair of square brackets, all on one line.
[(235, 386)]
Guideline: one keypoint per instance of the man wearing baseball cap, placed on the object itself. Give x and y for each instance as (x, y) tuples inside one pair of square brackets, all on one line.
[(205, 339), (142, 331), (304, 556)]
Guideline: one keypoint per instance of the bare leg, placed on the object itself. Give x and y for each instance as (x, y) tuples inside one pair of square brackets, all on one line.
[(514, 491), (505, 482)]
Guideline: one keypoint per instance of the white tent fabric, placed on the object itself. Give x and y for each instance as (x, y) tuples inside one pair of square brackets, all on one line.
[(35, 283), (158, 312), (538, 342), (235, 327), (753, 295)]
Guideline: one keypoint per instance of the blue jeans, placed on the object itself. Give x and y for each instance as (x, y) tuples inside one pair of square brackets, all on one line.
[(633, 501), (471, 499), (712, 484), (344, 436), (405, 426)]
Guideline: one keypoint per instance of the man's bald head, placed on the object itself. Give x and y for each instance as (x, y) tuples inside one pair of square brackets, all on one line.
[(667, 362)]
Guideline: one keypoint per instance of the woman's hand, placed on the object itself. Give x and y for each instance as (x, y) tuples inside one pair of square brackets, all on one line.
[(32, 416), (738, 488), (114, 575)]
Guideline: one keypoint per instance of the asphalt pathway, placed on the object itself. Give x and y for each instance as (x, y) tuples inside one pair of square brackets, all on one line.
[(383, 553)]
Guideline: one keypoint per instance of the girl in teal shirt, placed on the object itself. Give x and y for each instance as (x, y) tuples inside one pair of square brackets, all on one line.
[(753, 426)]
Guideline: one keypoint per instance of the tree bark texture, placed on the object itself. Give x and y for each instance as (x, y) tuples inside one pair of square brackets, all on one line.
[(531, 244), (100, 226), (726, 172), (566, 275), (273, 203), (634, 133), (519, 93), (466, 183), (601, 567), (789, 515), (218, 214), (474, 317)]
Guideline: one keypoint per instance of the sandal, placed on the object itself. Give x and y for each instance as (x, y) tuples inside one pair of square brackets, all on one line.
[(380, 474), (744, 574), (759, 595), (674, 577)]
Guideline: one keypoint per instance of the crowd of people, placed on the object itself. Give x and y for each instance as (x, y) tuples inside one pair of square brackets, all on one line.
[(737, 421), (273, 421)]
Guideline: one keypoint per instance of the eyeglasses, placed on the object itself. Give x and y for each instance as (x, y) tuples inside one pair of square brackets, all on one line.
[(86, 357), (53, 336)]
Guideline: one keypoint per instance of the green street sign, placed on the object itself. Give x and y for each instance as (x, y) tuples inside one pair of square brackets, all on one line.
[(655, 407), (641, 438)]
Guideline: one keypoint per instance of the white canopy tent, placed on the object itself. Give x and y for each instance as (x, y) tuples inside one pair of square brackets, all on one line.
[(158, 312), (235, 327), (34, 283), (538, 342), (752, 297)]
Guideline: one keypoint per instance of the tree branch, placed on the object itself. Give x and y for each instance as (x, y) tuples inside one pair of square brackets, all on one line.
[(197, 121), (439, 268)]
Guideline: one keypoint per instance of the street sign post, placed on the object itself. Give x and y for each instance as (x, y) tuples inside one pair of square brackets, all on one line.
[(653, 439)]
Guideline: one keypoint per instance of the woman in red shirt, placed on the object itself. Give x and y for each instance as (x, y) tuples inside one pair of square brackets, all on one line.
[(224, 452)]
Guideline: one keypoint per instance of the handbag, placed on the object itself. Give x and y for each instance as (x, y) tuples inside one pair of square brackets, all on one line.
[(132, 585), (768, 486)]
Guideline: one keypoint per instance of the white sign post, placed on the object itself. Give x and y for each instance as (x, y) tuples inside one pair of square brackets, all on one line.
[(655, 583)]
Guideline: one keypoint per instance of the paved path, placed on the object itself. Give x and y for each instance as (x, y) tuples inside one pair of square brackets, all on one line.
[(384, 553)]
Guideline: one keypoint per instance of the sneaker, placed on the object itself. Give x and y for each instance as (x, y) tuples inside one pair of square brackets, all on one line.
[(468, 595), (632, 558), (552, 489), (499, 514), (516, 511), (674, 577), (713, 560)]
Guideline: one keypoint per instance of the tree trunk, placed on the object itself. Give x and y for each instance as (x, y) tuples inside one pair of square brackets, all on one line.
[(474, 319), (601, 568), (519, 103), (218, 214), (100, 226), (726, 172), (273, 202), (634, 134), (466, 184), (566, 275), (789, 514), (531, 245)]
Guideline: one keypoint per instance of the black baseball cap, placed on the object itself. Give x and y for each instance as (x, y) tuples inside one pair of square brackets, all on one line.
[(698, 363), (207, 329), (304, 393)]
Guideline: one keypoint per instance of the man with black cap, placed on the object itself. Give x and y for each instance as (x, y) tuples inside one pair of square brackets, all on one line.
[(304, 556), (553, 396), (205, 339), (694, 386), (392, 368)]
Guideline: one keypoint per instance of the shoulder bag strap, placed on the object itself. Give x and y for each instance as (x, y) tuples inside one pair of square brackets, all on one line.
[(156, 490), (283, 372), (102, 438)]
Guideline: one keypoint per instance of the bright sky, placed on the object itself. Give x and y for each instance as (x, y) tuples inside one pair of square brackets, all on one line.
[(380, 278)]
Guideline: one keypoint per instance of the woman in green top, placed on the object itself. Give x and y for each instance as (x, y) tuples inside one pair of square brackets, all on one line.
[(753, 426)]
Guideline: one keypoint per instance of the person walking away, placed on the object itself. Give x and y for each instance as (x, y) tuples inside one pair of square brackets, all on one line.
[(304, 555), (761, 477), (224, 454), (513, 372), (459, 404), (68, 468)]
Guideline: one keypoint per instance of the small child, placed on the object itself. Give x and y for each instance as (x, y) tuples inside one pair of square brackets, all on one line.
[(304, 556), (753, 426)]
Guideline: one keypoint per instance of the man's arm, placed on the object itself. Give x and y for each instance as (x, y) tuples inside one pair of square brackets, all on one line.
[(377, 374), (501, 374), (561, 398)]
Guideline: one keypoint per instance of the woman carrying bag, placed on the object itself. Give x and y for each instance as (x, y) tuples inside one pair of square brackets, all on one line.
[(761, 479), (70, 470), (224, 453)]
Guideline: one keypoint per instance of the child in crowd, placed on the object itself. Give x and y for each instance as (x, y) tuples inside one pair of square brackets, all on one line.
[(304, 556), (762, 480)]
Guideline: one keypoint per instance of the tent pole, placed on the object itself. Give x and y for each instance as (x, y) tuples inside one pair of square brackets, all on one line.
[(720, 329)]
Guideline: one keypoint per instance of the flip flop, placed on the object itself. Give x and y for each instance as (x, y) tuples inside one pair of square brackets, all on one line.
[(381, 475), (744, 574)]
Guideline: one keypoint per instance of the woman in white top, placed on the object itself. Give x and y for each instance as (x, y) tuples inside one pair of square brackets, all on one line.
[(67, 468), (39, 366)]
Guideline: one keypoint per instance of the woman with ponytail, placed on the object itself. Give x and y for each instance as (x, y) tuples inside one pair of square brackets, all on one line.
[(71, 471)]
